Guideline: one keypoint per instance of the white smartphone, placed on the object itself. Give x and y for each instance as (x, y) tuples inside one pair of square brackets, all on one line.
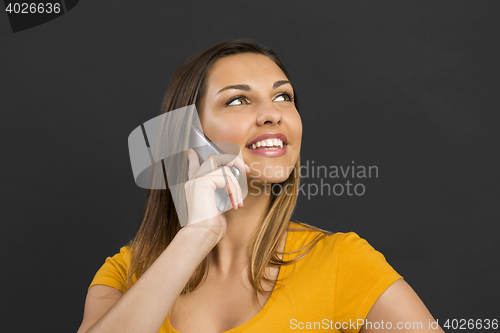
[(204, 147)]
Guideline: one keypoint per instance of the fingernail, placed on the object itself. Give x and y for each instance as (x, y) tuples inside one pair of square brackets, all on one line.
[(248, 168)]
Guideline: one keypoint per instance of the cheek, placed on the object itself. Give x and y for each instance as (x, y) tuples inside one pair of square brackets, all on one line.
[(225, 130), (296, 128)]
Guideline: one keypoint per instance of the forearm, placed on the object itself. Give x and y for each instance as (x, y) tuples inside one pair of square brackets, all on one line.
[(144, 307)]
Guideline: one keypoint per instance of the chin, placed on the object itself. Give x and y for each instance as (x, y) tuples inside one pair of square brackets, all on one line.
[(259, 181), (270, 173), (263, 185), (274, 180)]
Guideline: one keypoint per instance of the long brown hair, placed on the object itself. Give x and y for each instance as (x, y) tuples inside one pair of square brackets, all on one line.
[(160, 223)]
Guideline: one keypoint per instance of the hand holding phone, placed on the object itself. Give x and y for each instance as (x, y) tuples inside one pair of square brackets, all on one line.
[(157, 151), (204, 180), (204, 147)]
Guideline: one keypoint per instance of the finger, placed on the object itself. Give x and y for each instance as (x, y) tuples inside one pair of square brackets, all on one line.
[(228, 190), (231, 188), (240, 164), (239, 195), (217, 160), (218, 180), (193, 163)]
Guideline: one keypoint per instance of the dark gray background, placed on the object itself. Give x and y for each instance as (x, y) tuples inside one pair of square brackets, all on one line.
[(408, 86)]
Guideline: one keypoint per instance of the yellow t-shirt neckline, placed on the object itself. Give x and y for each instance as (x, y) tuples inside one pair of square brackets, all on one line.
[(338, 281), (269, 303)]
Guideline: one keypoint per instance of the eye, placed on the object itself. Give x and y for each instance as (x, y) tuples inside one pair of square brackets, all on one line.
[(284, 97), (237, 101)]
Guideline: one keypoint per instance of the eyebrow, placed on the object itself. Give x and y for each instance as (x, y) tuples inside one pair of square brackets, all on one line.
[(246, 87)]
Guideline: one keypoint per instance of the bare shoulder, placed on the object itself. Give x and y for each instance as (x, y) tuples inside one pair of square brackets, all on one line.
[(399, 304)]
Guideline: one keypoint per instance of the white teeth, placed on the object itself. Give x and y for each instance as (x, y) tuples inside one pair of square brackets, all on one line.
[(274, 142)]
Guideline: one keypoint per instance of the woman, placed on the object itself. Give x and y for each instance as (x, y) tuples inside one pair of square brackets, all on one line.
[(250, 269)]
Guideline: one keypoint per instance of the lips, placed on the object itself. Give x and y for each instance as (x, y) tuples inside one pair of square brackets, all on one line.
[(272, 152), (280, 136)]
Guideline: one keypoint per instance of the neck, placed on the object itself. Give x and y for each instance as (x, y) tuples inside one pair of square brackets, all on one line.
[(231, 255)]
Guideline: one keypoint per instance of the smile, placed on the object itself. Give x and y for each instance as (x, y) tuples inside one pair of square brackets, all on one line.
[(269, 151), (268, 143)]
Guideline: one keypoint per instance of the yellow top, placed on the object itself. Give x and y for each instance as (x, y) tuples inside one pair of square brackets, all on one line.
[(332, 288)]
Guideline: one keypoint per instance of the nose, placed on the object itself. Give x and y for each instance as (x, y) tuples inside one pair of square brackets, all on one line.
[(269, 114)]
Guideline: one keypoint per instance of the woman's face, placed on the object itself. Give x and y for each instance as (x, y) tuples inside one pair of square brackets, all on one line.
[(247, 96)]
